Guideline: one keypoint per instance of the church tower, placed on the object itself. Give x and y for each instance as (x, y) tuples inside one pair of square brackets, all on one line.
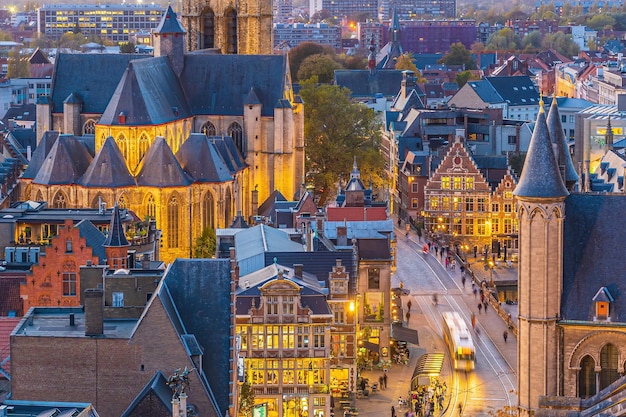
[(540, 198), (243, 27), (169, 41)]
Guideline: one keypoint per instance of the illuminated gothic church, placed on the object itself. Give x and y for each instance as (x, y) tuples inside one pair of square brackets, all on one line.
[(190, 139)]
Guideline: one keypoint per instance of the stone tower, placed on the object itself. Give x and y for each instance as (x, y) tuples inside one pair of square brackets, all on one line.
[(243, 27), (169, 41), (540, 196)]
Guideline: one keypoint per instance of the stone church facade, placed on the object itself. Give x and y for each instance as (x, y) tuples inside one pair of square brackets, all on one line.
[(243, 107)]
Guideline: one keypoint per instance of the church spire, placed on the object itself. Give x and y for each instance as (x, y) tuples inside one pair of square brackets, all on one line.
[(563, 156), (116, 236), (609, 136), (540, 176)]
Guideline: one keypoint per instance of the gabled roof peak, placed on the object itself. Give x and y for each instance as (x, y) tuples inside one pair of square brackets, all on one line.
[(116, 236)]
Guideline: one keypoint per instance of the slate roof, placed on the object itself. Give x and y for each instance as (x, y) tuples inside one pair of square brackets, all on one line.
[(38, 57), (66, 162), (159, 167), (262, 238), (39, 155), (555, 128), (10, 296), (116, 236), (27, 112), (267, 207), (216, 84), (94, 238), (318, 263), (373, 249), (363, 84), (148, 93), (593, 258), (230, 154), (84, 74), (201, 160), (540, 176), (155, 390), (485, 91), (199, 290), (108, 168), (169, 23), (516, 90)]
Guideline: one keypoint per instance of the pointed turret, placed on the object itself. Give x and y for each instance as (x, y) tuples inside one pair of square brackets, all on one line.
[(609, 135), (563, 157), (116, 236), (540, 176), (169, 40)]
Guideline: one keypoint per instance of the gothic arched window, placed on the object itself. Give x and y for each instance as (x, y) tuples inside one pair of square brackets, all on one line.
[(208, 29), (208, 129), (587, 377), (60, 200), (89, 128), (173, 219), (122, 143), (144, 144), (236, 132), (151, 206), (39, 196), (228, 215), (122, 203), (208, 211), (230, 17), (608, 363)]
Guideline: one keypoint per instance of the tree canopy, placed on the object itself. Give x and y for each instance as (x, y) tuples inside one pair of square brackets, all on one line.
[(503, 40), (562, 43), (206, 244), (405, 62), (336, 130), (458, 55), (320, 65), (298, 54)]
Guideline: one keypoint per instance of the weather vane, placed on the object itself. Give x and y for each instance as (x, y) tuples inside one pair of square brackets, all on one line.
[(179, 382)]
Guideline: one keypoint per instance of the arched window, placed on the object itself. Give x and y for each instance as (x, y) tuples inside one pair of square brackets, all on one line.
[(208, 211), (228, 216), (587, 377), (151, 206), (39, 196), (121, 202), (608, 363), (208, 129), (230, 17), (172, 221), (60, 200), (95, 203), (89, 128), (236, 132), (28, 191), (144, 144), (208, 29), (122, 143)]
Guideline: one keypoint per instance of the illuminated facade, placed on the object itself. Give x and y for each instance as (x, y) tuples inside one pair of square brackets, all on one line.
[(116, 22)]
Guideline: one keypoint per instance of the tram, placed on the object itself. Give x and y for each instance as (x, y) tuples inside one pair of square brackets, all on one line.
[(459, 341)]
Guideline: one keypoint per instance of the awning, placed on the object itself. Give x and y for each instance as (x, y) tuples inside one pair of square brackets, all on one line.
[(428, 365), (404, 334), (373, 347)]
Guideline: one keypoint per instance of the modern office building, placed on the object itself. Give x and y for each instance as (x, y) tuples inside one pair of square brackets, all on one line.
[(345, 8), (296, 33), (114, 22), (417, 9)]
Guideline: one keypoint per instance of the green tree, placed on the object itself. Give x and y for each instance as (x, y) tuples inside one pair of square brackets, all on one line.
[(320, 65), (246, 399), (206, 244), (601, 21), (72, 41), (458, 55), (335, 131), (503, 40), (405, 62), (532, 41), (5, 36), (298, 54), (562, 43), (127, 48), (18, 65), (463, 77)]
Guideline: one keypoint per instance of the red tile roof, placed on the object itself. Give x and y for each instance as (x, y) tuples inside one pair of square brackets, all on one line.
[(335, 214)]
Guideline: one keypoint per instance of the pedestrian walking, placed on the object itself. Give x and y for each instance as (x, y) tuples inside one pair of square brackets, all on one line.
[(480, 307), (460, 409), (505, 335), (485, 304), (381, 382), (393, 411), (463, 281), (473, 320), (453, 263), (408, 316), (385, 380), (447, 262), (475, 291), (409, 304)]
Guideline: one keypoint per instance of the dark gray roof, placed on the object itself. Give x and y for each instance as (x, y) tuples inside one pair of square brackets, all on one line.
[(319, 263), (364, 84), (219, 84), (200, 291), (491, 161), (229, 152), (373, 249), (148, 93), (252, 98), (108, 168), (555, 128), (516, 90), (200, 159), (540, 175), (66, 162), (93, 77), (485, 91), (267, 207), (169, 23), (39, 155), (155, 390), (116, 236), (159, 168), (93, 238), (73, 98), (592, 257)]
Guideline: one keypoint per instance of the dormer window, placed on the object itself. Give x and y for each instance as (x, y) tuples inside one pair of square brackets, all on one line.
[(271, 303), (288, 304), (602, 305)]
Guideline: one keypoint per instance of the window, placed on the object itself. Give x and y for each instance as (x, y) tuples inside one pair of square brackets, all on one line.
[(257, 337), (208, 129), (373, 278), (208, 213), (208, 24), (434, 203), (469, 204), (338, 312), (89, 128), (319, 337), (288, 304), (457, 183), (563, 119), (118, 299), (68, 245), (495, 226), (469, 226), (508, 195), (151, 206), (495, 207), (508, 226), (271, 303), (60, 200), (512, 140), (415, 187), (144, 144), (445, 183), (414, 203), (289, 337), (121, 202), (469, 183), (456, 204), (445, 203), (69, 284), (303, 337), (456, 226), (272, 336), (122, 143), (481, 204), (172, 222), (481, 227), (508, 208), (236, 132), (572, 118)]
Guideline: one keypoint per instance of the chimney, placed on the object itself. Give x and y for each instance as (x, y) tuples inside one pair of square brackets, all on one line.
[(88, 262), (72, 320), (408, 83), (297, 270), (121, 118), (342, 236), (131, 254), (319, 223), (94, 312), (145, 261)]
